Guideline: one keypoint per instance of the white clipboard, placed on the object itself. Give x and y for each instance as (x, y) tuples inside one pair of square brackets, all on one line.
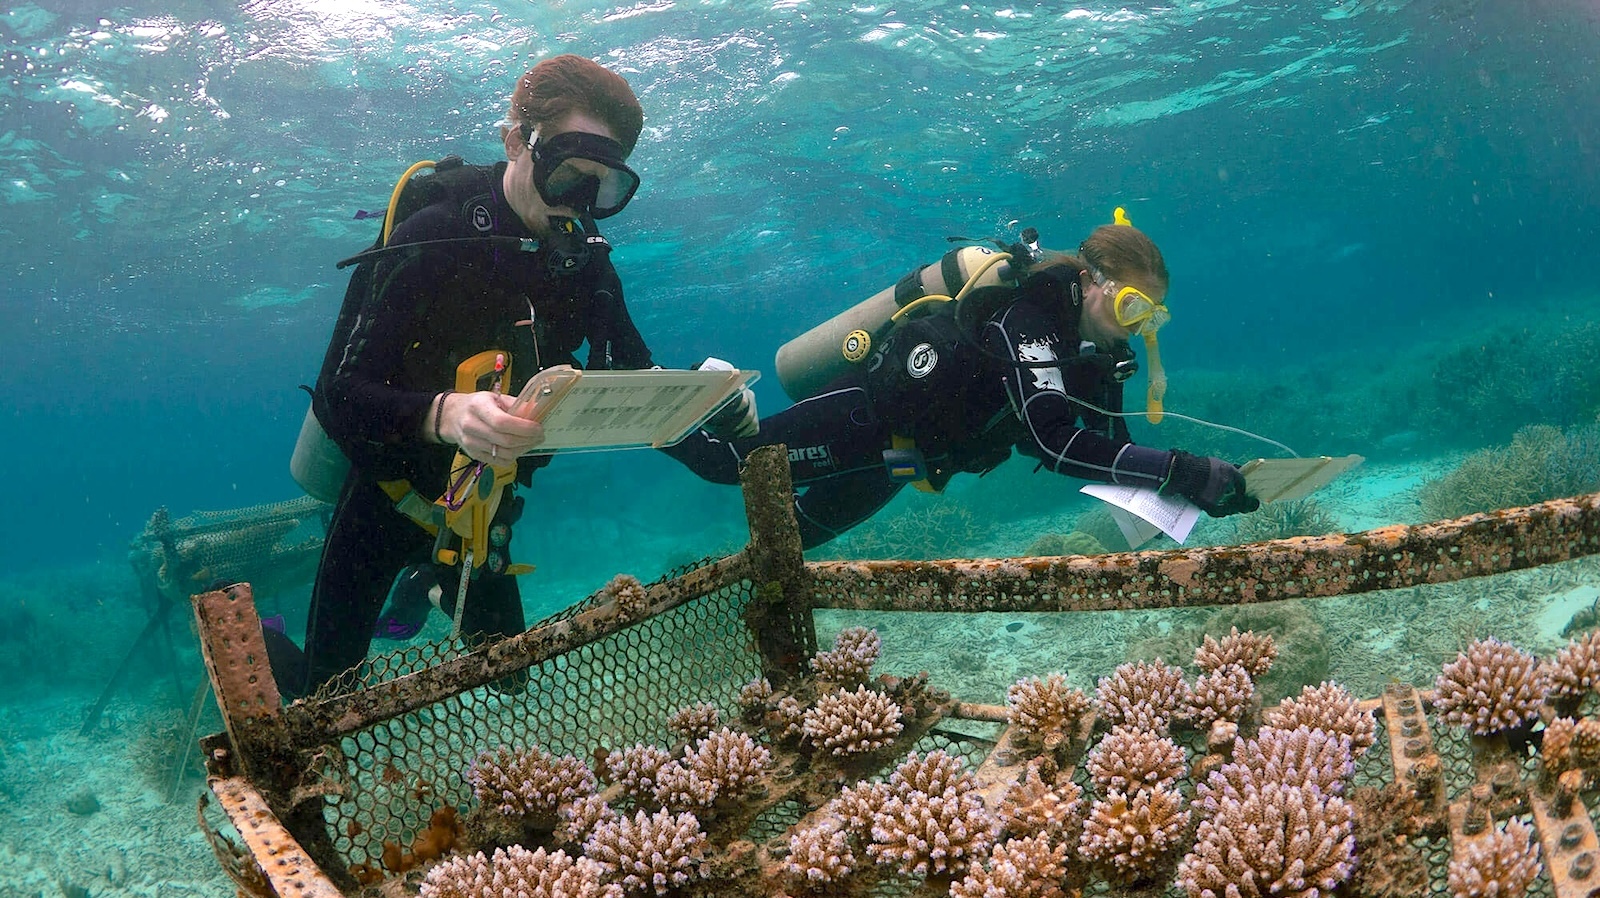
[(1277, 479), (598, 410)]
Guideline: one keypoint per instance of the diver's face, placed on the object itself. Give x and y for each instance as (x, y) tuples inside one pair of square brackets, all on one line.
[(1099, 322), (520, 192)]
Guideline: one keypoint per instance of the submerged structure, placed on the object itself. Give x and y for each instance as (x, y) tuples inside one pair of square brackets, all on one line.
[(690, 738)]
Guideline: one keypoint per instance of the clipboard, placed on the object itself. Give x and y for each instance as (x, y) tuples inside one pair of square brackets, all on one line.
[(591, 411), (1277, 479)]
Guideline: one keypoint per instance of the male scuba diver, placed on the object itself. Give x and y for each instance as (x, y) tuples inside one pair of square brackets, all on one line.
[(500, 262), (1032, 359)]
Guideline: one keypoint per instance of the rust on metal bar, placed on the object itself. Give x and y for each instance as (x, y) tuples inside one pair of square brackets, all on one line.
[(1418, 769), (1571, 850), (1303, 567), (288, 869), (235, 655), (315, 722), (780, 617)]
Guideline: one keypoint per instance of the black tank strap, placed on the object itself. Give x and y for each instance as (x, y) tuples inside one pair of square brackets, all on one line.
[(909, 288)]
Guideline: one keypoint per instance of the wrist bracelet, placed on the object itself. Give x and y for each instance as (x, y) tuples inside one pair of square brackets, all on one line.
[(438, 416)]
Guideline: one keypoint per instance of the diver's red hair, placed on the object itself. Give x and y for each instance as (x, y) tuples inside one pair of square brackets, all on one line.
[(561, 85)]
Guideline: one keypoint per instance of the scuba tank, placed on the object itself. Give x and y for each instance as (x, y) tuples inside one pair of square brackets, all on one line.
[(816, 358), (318, 464)]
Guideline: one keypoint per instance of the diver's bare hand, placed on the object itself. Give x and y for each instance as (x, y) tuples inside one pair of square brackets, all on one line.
[(482, 426)]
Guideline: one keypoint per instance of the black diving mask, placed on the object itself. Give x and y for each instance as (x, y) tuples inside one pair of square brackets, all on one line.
[(581, 171)]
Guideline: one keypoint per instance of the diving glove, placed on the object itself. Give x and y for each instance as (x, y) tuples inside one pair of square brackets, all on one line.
[(739, 417), (1209, 482)]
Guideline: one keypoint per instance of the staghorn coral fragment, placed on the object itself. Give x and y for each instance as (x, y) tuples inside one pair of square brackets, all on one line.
[(921, 834), (852, 723), (635, 769), (1034, 806), (529, 783), (723, 765), (518, 871), (1571, 745), (628, 595), (1575, 670), (1142, 694), (1502, 864), (1253, 651), (788, 718), (1491, 686), (1128, 760), (1222, 694), (579, 818), (1130, 835), (1329, 707), (1045, 710), (850, 661), (649, 853), (1278, 841), (754, 695), (1021, 868), (1314, 759), (695, 721), (937, 771), (819, 856), (856, 805)]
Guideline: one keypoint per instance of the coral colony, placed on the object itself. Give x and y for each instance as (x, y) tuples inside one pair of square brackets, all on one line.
[(1272, 812)]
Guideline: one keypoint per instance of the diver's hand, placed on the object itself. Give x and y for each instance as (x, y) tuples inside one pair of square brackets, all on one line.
[(738, 418), (482, 426), (1211, 483)]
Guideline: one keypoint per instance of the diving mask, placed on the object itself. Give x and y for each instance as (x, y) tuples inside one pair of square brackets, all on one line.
[(1133, 308), (581, 171)]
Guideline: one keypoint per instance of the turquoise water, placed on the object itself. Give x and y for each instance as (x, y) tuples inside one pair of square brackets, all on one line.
[(1381, 220)]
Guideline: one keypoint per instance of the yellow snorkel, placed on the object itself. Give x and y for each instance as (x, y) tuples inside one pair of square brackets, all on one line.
[(1157, 389)]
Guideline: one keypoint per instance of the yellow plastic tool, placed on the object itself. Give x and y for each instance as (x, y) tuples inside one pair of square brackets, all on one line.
[(474, 489)]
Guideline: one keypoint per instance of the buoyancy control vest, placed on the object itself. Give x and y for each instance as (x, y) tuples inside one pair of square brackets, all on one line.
[(466, 192)]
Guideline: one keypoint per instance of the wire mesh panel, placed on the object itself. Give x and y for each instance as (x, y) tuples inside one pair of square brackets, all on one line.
[(386, 781)]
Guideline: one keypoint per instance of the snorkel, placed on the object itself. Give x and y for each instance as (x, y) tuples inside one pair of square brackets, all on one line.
[(1157, 389)]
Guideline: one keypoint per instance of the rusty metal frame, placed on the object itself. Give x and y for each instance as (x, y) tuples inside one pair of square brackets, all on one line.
[(1298, 568)]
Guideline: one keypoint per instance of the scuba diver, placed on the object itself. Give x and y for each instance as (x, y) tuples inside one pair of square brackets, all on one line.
[(959, 363), (504, 257)]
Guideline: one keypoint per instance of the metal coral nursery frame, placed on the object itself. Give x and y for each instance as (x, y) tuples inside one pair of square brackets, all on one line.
[(319, 788)]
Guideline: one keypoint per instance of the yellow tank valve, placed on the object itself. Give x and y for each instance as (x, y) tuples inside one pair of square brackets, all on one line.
[(857, 344)]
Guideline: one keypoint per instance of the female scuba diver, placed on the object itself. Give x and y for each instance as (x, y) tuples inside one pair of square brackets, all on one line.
[(1026, 351)]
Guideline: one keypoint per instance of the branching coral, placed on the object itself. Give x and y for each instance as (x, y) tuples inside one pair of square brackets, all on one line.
[(1131, 835), (1542, 462), (856, 804), (1491, 686), (723, 765), (529, 783), (518, 871), (921, 833), (755, 695), (1223, 694), (1284, 519), (1571, 745), (635, 769), (1329, 707), (1036, 806), (852, 723), (1129, 760), (819, 856), (1315, 759), (850, 662), (1142, 694), (1278, 841), (628, 594), (1502, 864), (1021, 868), (937, 771), (1575, 670), (1045, 710), (1253, 651), (649, 852), (695, 721), (579, 818)]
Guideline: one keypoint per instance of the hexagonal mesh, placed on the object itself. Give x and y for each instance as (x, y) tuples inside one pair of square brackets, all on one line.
[(391, 745), (613, 692)]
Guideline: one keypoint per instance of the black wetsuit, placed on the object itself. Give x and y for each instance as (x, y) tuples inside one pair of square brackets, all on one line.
[(428, 311), (968, 419)]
